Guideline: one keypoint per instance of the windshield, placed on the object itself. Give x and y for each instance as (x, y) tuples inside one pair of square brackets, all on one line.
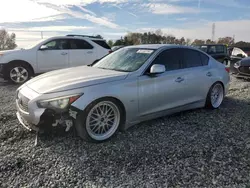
[(125, 59)]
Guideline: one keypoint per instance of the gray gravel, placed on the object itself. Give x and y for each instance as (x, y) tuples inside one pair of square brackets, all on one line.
[(199, 148)]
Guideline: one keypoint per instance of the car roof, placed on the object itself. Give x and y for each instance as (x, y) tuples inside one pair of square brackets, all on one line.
[(75, 37), (160, 46), (210, 45), (153, 46)]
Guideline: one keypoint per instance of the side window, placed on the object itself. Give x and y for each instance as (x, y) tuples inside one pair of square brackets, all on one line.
[(191, 58), (212, 50), (220, 49), (76, 44), (59, 44), (169, 58), (204, 59)]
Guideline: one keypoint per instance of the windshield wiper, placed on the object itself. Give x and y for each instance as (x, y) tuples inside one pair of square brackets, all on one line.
[(119, 70)]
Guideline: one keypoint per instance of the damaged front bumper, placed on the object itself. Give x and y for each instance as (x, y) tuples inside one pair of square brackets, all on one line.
[(48, 120), (44, 119)]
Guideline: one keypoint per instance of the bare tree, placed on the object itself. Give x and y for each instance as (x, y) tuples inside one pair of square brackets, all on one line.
[(188, 41), (7, 41), (226, 40)]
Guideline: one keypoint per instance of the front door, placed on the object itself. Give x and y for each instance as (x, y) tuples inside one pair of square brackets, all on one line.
[(54, 56), (166, 90)]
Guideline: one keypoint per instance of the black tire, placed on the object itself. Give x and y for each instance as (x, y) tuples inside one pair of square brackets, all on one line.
[(19, 65), (80, 123), (208, 104)]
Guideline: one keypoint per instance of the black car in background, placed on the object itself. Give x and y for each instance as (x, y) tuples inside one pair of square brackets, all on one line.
[(217, 51), (241, 68)]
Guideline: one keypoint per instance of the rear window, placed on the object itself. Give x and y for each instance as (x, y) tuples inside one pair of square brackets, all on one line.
[(216, 49), (102, 43)]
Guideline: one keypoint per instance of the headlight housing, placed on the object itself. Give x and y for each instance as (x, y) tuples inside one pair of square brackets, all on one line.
[(60, 103), (237, 64)]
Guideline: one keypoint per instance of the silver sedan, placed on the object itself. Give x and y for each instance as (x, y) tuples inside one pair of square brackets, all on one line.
[(131, 85)]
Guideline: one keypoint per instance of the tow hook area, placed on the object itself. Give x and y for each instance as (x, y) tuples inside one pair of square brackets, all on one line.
[(65, 119), (52, 119)]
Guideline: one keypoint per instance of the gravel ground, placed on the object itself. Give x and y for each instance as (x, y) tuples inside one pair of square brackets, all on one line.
[(199, 148)]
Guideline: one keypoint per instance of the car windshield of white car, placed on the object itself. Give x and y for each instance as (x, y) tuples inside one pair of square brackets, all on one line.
[(125, 59)]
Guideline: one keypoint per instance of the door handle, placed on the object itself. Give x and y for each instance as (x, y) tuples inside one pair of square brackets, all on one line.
[(179, 79), (89, 52), (209, 74), (64, 53)]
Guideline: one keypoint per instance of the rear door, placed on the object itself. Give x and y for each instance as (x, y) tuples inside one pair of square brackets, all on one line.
[(197, 74), (81, 53), (103, 48)]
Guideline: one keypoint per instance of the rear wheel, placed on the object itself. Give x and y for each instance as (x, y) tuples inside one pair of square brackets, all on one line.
[(99, 121), (215, 96), (19, 73)]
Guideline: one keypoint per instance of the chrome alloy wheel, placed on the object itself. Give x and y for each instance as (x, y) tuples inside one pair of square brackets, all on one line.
[(103, 120), (19, 74), (217, 95)]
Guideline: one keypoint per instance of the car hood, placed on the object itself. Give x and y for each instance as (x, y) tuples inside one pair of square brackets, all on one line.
[(11, 51), (72, 78)]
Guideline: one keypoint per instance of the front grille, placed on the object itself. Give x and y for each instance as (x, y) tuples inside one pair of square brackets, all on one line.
[(23, 103), (244, 70)]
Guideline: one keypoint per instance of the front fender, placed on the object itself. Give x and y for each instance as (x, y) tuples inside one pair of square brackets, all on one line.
[(125, 91)]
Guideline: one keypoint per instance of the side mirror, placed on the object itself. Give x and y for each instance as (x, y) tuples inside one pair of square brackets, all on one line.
[(43, 47), (157, 69)]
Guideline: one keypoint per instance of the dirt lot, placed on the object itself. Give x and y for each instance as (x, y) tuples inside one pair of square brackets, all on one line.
[(199, 148)]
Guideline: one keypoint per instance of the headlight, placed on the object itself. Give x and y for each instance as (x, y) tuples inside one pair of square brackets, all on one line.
[(237, 64), (58, 103)]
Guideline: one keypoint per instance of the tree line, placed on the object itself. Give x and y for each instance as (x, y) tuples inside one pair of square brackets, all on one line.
[(8, 41), (158, 37)]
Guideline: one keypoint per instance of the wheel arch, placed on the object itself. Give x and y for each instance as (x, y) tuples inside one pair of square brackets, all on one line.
[(118, 101), (21, 62)]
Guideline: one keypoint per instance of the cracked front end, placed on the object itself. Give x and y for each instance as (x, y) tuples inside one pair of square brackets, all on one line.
[(39, 111)]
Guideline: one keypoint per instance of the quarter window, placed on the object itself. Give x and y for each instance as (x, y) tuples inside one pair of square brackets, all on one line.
[(204, 59), (191, 58), (80, 44)]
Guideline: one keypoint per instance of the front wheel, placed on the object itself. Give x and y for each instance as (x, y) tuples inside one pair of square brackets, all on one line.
[(19, 73), (215, 96), (99, 121)]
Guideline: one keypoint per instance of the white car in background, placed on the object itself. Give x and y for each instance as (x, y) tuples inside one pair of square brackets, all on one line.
[(51, 54)]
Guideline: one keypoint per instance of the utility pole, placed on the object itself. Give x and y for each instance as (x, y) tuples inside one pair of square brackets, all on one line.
[(213, 31)]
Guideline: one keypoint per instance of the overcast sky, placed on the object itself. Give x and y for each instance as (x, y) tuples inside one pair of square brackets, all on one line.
[(114, 18)]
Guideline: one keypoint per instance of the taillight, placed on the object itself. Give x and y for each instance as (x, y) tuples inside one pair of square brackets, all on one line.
[(227, 69), (110, 51)]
